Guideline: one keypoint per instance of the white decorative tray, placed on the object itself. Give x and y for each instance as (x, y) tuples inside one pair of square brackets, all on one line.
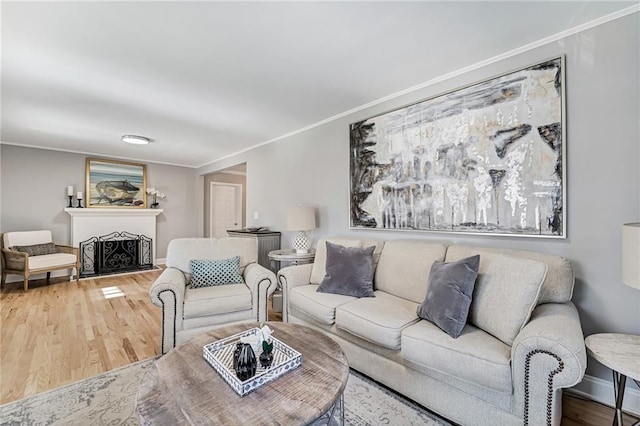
[(220, 355)]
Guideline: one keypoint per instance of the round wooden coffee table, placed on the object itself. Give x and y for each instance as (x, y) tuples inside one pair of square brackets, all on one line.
[(183, 389)]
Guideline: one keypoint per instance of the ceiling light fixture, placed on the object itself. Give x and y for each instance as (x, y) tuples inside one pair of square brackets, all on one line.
[(136, 140)]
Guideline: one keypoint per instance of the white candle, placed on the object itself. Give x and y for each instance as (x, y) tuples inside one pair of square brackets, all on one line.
[(70, 191), (79, 195)]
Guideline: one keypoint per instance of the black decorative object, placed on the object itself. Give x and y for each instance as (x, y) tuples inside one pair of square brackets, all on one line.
[(236, 356), (79, 206), (115, 253), (247, 364), (70, 200), (266, 357)]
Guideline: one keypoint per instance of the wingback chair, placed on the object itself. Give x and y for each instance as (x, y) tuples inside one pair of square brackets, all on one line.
[(187, 312), (33, 252)]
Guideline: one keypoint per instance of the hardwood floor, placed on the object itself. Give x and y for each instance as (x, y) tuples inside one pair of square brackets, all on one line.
[(62, 332)]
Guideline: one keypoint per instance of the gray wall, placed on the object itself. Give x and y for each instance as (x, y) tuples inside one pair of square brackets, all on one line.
[(603, 182), (34, 184)]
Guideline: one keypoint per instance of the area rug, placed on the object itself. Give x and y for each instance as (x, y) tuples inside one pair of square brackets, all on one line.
[(108, 399)]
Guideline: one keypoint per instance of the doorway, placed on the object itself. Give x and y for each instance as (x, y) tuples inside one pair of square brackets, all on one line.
[(225, 208)]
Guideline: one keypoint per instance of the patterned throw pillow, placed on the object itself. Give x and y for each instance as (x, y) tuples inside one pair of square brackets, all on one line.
[(37, 249), (206, 273)]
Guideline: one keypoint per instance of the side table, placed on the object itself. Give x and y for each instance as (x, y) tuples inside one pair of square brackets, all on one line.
[(290, 257), (619, 352)]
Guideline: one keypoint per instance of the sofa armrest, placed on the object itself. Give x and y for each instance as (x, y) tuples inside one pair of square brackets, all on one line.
[(262, 283), (547, 355), (15, 260), (289, 277), (167, 292)]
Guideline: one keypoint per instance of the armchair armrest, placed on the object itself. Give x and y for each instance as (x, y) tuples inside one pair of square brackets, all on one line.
[(15, 260), (66, 249), (262, 283), (167, 292), (547, 355), (289, 277)]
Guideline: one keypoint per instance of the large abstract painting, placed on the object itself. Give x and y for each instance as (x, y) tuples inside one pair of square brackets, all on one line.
[(487, 159)]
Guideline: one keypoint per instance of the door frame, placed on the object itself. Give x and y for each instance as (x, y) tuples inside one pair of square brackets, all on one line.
[(239, 203)]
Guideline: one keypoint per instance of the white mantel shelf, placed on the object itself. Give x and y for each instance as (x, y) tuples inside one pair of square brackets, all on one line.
[(92, 211)]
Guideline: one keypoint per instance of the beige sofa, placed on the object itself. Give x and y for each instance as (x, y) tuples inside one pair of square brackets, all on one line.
[(476, 379), (187, 312)]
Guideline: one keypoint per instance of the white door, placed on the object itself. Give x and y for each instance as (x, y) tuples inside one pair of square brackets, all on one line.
[(226, 208)]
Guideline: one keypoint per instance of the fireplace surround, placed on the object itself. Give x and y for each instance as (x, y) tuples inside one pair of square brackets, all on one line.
[(91, 223)]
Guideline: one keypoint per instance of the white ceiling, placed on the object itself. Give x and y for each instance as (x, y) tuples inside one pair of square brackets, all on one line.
[(205, 80)]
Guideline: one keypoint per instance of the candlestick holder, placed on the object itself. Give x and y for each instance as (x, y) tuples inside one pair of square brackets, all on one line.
[(79, 206), (70, 200)]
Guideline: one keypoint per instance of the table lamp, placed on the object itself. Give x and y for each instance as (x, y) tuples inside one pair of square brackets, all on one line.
[(301, 219)]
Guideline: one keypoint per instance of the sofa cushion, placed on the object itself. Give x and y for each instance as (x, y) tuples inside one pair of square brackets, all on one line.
[(37, 249), (349, 271), (505, 293), (216, 300), (378, 319), (319, 264), (205, 273), (403, 269), (449, 294), (475, 356), (319, 306), (558, 283), (52, 260)]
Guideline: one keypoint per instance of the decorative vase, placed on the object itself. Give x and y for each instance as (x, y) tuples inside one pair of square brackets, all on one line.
[(155, 203), (236, 356), (247, 363), (266, 359)]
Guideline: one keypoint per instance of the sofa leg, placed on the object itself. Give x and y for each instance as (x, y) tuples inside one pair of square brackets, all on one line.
[(4, 279), (48, 276)]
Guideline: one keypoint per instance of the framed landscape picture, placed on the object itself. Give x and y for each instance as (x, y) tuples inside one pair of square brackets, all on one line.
[(488, 158), (115, 184)]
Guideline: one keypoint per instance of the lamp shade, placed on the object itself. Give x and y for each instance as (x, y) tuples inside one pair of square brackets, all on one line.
[(631, 254), (301, 219)]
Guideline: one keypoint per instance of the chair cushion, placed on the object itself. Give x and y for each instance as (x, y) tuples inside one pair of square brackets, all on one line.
[(506, 291), (379, 320), (37, 249), (214, 300), (404, 267), (26, 238), (349, 271), (205, 273), (319, 306), (475, 356), (52, 260), (449, 294)]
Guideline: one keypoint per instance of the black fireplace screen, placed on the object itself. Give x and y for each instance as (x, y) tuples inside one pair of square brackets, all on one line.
[(114, 253)]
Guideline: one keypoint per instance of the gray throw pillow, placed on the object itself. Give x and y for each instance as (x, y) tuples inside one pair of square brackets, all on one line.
[(349, 271), (37, 249), (449, 294)]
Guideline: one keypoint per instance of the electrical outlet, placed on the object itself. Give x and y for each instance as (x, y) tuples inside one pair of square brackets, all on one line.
[(256, 216)]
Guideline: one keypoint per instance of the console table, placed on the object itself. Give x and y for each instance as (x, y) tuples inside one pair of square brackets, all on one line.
[(267, 241)]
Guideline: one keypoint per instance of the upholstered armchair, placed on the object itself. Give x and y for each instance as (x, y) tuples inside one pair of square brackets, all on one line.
[(188, 311), (28, 253)]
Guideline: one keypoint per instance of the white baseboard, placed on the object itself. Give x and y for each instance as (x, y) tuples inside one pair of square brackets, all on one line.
[(600, 390)]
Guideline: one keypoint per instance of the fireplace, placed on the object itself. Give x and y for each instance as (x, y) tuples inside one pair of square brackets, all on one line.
[(114, 253)]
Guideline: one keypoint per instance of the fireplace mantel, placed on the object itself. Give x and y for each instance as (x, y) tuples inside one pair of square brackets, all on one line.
[(95, 212), (92, 222)]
